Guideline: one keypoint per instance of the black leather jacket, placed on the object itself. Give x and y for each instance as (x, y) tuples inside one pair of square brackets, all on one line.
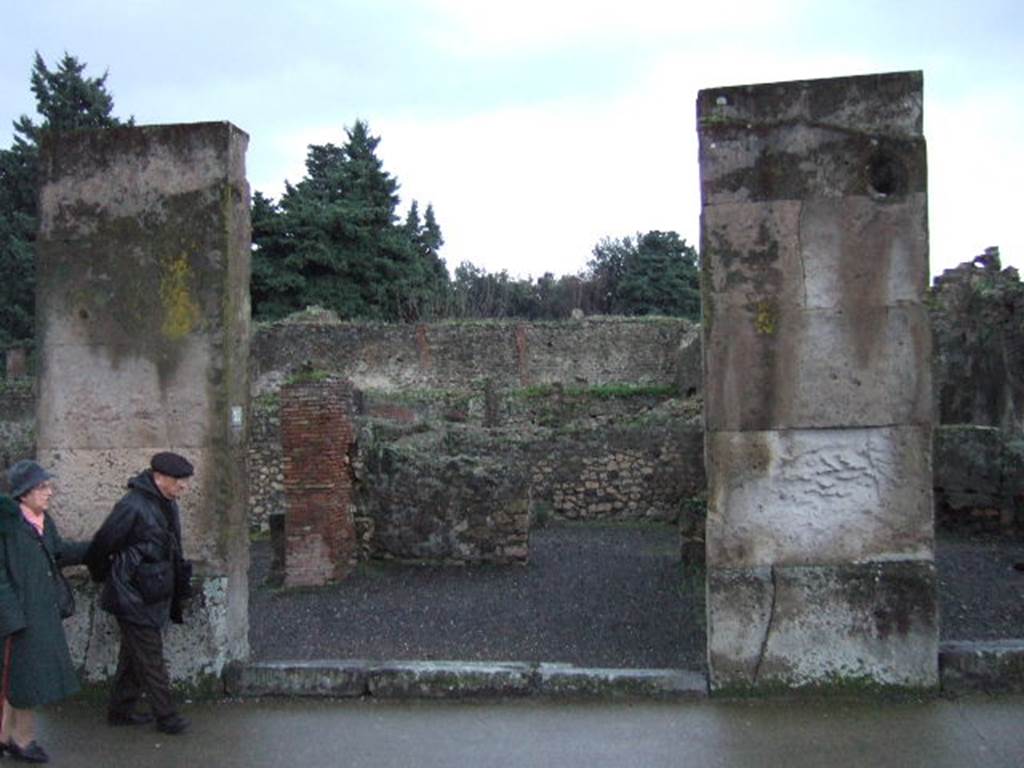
[(137, 553)]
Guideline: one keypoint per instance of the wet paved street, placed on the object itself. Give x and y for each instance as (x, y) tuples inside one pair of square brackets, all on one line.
[(976, 731)]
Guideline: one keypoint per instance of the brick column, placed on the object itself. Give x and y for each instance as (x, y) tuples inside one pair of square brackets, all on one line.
[(17, 363), (316, 437), (814, 248)]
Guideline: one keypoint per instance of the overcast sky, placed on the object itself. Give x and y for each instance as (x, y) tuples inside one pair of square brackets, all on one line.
[(537, 127)]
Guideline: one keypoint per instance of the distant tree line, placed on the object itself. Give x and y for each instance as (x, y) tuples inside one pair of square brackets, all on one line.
[(336, 239)]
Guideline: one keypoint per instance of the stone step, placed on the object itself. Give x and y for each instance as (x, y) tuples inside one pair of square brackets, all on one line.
[(347, 678), (992, 666)]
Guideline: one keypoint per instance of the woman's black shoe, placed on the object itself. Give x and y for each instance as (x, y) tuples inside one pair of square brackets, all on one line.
[(30, 753)]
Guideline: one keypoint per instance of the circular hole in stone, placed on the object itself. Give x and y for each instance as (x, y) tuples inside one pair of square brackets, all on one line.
[(83, 314), (886, 175)]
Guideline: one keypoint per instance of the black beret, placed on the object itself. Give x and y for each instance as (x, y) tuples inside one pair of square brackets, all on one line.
[(171, 464)]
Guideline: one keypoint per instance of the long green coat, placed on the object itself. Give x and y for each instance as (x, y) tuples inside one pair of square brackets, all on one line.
[(40, 666)]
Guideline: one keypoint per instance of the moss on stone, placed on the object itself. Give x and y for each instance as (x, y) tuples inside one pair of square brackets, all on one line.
[(181, 313), (835, 686), (765, 318)]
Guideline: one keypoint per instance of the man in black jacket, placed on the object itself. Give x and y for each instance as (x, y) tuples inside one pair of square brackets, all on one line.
[(137, 553)]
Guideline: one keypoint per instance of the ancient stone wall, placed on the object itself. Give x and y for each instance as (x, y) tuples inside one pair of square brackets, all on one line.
[(461, 355), (17, 422), (817, 384), (613, 454), (266, 463), (979, 480), (638, 472), (423, 500), (143, 343), (976, 312)]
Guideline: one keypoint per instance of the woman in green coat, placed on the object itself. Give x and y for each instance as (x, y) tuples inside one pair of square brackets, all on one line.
[(37, 666)]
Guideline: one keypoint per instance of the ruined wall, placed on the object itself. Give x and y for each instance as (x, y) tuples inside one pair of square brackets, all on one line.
[(976, 313), (422, 499), (623, 453), (979, 480), (266, 463), (459, 355), (17, 422), (817, 389), (143, 343)]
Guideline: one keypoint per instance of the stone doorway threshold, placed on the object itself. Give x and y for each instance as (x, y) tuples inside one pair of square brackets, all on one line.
[(964, 668), (456, 680)]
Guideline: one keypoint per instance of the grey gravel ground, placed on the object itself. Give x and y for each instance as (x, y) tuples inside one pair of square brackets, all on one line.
[(597, 595), (593, 595), (981, 594)]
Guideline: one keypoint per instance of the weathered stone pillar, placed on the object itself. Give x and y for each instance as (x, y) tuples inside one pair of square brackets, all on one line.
[(143, 325), (814, 246), (317, 436)]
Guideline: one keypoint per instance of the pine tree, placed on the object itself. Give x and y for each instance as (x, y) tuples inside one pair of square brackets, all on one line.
[(335, 241), (655, 275), (66, 100)]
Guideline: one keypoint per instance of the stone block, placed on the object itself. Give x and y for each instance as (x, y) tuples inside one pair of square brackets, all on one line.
[(134, 409), (814, 138), (335, 679), (888, 102), (137, 170), (564, 681), (843, 254), (804, 162), (819, 496), (443, 680), (90, 482), (847, 627), (196, 651), (995, 666), (768, 367)]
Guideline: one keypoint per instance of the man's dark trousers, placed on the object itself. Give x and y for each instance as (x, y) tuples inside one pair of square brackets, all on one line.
[(141, 668)]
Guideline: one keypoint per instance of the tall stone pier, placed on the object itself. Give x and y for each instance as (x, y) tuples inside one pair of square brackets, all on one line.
[(817, 384), (143, 343)]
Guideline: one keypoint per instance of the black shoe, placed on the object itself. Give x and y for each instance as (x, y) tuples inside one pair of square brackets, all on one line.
[(30, 753), (131, 718), (172, 724)]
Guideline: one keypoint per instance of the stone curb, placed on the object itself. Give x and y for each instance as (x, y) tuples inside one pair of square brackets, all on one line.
[(964, 667), (994, 666), (351, 678)]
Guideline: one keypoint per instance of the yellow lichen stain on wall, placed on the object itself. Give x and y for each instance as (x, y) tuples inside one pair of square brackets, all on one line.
[(765, 320), (180, 309)]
